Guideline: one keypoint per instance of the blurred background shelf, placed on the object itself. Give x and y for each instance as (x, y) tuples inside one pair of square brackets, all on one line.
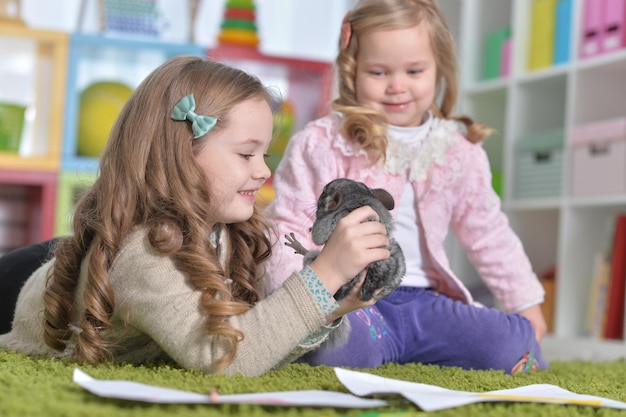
[(560, 229), (32, 78)]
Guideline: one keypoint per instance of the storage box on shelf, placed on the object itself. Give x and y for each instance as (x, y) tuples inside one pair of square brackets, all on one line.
[(613, 25), (562, 228), (305, 84), (603, 27), (538, 166), (102, 71), (541, 39), (563, 31), (599, 158), (32, 97), (539, 104), (592, 33)]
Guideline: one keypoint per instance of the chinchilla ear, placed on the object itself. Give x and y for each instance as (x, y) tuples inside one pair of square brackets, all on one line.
[(333, 200), (384, 197)]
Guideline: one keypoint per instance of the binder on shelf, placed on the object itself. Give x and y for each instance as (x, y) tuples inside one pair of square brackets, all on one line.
[(591, 40), (597, 301), (614, 317), (614, 25), (542, 22), (507, 56), (548, 281), (563, 30), (493, 52)]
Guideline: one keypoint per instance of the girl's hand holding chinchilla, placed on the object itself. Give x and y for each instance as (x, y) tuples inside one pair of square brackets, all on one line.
[(352, 301), (354, 244)]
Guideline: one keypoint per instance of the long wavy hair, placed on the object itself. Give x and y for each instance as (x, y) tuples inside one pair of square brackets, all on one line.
[(368, 127), (149, 177)]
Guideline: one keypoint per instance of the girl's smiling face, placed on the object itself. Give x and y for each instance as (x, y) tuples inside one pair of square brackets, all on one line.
[(233, 160), (396, 73)]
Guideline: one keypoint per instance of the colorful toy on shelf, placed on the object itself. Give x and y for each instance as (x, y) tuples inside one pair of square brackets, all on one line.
[(238, 26), (11, 125), (283, 129), (100, 104), (130, 16)]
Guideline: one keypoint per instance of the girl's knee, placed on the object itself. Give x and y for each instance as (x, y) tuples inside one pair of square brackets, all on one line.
[(514, 354), (511, 347)]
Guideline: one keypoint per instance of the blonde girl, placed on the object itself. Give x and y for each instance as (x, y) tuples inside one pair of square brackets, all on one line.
[(393, 127)]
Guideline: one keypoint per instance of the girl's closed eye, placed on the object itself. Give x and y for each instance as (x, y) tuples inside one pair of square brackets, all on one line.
[(248, 156)]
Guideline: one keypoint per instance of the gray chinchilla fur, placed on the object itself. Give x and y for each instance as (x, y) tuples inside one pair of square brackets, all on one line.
[(340, 197)]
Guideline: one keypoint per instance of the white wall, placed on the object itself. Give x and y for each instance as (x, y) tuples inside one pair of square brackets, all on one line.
[(295, 28)]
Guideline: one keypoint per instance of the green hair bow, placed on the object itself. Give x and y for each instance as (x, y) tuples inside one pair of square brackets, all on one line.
[(184, 110)]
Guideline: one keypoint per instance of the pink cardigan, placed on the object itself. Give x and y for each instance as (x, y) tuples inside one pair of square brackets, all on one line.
[(452, 181)]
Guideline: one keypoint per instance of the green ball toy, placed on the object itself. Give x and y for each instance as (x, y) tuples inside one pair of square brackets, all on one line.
[(100, 104)]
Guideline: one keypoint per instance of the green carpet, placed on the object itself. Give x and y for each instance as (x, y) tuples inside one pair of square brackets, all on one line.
[(44, 387)]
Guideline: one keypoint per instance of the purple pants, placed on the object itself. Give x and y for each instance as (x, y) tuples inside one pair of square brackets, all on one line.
[(418, 325)]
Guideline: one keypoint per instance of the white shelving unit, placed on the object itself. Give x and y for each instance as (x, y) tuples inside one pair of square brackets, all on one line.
[(558, 230)]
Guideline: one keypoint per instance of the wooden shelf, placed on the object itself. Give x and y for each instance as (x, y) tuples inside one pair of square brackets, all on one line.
[(32, 74), (43, 58)]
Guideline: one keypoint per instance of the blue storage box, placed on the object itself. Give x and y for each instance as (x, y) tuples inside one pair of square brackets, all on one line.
[(563, 31)]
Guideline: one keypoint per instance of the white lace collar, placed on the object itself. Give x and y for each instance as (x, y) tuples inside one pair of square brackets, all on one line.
[(417, 148)]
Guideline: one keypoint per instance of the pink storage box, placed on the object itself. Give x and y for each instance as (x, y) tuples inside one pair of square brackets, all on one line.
[(593, 33), (614, 25), (599, 158)]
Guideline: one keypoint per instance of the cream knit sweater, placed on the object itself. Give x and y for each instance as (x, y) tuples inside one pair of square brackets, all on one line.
[(157, 317)]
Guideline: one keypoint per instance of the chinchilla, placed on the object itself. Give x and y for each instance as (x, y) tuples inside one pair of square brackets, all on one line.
[(339, 197)]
